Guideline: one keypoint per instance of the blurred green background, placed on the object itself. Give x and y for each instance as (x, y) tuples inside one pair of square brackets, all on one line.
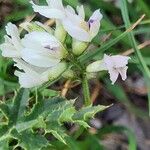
[(127, 121)]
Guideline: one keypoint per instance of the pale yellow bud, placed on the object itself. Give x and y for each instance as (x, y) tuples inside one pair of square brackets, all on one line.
[(78, 47), (36, 26), (60, 32), (69, 74)]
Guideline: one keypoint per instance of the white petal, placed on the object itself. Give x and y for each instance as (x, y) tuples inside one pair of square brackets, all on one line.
[(28, 81), (76, 32), (38, 58), (9, 50), (81, 12), (56, 4), (31, 77), (8, 39), (70, 9), (108, 61), (113, 75), (33, 44), (120, 61), (117, 61), (96, 15), (35, 76), (74, 18), (37, 52), (94, 29), (22, 65), (43, 38), (13, 32), (115, 65), (123, 72), (48, 12), (95, 23)]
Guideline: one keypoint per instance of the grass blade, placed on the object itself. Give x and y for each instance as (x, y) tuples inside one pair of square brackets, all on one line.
[(126, 19)]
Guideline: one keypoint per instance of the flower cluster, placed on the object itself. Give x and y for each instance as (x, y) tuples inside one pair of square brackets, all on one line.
[(39, 54), (42, 55)]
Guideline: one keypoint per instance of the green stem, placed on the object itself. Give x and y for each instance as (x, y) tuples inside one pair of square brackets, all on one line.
[(85, 86), (86, 91)]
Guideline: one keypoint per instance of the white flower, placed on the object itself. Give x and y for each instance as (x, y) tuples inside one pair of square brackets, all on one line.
[(42, 49), (35, 76), (78, 28), (32, 76), (73, 23), (12, 46), (114, 64), (55, 9)]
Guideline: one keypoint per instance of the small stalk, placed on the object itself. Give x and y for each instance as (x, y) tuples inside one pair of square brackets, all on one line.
[(86, 91)]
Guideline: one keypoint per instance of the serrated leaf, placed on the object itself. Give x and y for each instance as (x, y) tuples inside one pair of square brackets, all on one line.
[(82, 123), (24, 125), (19, 105), (57, 131), (47, 114), (58, 136), (88, 112), (5, 110), (29, 140), (67, 115), (4, 145), (4, 132), (14, 112), (56, 114), (43, 107)]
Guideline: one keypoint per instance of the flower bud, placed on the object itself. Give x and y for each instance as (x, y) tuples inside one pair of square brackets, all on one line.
[(60, 32), (91, 75), (96, 66), (69, 74), (56, 71), (79, 47), (36, 26), (64, 52)]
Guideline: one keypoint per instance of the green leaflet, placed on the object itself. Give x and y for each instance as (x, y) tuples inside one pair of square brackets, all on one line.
[(57, 131), (29, 140), (47, 115), (88, 112), (50, 93), (19, 105), (4, 145), (14, 112)]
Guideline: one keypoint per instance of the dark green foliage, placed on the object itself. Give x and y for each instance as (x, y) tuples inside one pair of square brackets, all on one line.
[(47, 115)]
